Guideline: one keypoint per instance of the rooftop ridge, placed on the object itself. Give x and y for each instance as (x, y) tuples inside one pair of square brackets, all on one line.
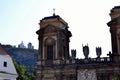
[(2, 50)]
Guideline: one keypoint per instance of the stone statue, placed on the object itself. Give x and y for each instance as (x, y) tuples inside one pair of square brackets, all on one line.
[(86, 51)]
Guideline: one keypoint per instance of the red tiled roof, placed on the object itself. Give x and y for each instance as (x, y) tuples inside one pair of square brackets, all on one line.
[(2, 50)]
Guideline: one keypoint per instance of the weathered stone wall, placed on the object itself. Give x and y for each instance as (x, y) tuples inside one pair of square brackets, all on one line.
[(85, 74)]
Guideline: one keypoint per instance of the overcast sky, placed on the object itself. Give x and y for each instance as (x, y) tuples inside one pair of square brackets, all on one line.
[(86, 19)]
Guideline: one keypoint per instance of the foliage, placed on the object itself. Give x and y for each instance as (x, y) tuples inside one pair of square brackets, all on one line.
[(116, 77), (7, 46), (27, 57), (22, 74)]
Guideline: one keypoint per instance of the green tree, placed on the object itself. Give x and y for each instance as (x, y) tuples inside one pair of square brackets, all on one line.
[(22, 74), (116, 77)]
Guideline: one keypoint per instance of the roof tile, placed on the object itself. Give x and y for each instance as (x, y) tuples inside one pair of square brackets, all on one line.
[(2, 50)]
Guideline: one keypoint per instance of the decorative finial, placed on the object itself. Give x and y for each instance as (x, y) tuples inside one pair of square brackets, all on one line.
[(53, 11)]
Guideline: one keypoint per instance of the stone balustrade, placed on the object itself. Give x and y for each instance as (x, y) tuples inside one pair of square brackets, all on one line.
[(60, 62)]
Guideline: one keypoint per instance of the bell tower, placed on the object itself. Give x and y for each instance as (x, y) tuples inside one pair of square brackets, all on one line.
[(53, 37), (114, 25)]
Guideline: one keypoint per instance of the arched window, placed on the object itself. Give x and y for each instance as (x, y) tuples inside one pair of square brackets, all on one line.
[(49, 48), (49, 52)]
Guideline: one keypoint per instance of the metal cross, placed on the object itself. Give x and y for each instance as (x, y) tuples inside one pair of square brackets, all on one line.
[(54, 11)]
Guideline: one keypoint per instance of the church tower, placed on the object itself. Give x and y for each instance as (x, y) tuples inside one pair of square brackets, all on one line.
[(53, 37), (114, 25)]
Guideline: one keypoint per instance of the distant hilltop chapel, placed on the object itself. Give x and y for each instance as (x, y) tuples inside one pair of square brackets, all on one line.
[(29, 46), (54, 60)]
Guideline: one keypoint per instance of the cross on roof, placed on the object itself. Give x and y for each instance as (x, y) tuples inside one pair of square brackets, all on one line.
[(53, 11)]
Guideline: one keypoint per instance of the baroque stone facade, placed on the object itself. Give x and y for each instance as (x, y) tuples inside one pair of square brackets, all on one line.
[(55, 63)]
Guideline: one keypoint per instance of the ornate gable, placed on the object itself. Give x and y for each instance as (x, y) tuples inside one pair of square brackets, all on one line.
[(50, 28)]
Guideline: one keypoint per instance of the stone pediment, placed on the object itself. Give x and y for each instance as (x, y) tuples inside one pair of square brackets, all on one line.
[(50, 28)]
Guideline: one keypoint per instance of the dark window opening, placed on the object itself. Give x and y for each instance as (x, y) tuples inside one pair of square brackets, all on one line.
[(50, 52), (5, 64)]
